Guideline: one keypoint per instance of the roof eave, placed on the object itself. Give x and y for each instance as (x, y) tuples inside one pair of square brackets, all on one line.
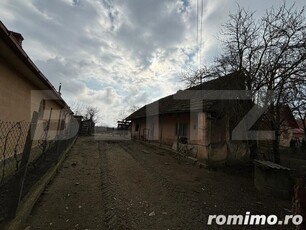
[(17, 49)]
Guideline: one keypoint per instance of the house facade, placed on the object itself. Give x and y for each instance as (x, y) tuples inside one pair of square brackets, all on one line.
[(24, 89), (204, 126), (287, 127)]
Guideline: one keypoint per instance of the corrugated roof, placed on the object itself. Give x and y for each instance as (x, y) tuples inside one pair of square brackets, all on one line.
[(270, 164)]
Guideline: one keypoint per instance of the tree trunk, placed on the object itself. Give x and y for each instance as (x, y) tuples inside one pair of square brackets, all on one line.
[(304, 128), (276, 125), (253, 149), (276, 150)]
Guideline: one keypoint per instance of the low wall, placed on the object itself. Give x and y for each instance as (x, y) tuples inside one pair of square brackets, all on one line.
[(273, 179)]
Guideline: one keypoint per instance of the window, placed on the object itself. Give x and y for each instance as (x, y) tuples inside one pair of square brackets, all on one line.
[(136, 128), (181, 129)]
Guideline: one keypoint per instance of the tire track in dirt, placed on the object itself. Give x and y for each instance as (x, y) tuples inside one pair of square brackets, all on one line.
[(113, 217), (196, 217), (136, 198), (188, 200)]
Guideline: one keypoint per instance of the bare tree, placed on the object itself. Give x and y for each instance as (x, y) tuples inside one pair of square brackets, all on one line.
[(77, 108), (92, 113), (124, 113), (88, 112), (196, 77), (271, 52), (133, 109)]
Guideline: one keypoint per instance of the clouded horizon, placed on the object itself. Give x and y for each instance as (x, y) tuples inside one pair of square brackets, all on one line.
[(115, 54)]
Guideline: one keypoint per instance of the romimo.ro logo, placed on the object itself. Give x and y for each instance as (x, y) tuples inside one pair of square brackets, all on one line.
[(249, 219)]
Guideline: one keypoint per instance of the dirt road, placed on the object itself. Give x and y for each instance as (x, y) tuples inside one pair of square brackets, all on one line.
[(127, 185), (73, 199)]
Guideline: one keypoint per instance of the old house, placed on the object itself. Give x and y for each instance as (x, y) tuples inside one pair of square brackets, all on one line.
[(287, 126), (204, 125), (24, 89), (298, 132)]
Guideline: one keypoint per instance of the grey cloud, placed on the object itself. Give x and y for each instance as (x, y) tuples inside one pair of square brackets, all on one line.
[(115, 42), (151, 25)]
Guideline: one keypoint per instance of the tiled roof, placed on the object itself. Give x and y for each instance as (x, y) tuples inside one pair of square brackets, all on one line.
[(171, 104), (297, 131)]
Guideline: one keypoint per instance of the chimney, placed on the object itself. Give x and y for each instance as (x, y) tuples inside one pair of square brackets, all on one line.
[(17, 37), (59, 89)]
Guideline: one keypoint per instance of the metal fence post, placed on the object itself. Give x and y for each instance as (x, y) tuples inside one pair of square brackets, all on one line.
[(45, 141)]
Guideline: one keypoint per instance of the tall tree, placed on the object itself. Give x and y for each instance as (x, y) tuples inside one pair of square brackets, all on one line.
[(271, 52)]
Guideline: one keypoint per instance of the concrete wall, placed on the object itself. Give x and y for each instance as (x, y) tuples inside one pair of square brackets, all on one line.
[(286, 134), (265, 143), (285, 138)]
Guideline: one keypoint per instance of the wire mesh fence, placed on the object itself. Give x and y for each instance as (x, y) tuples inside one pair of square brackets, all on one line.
[(12, 140), (25, 159)]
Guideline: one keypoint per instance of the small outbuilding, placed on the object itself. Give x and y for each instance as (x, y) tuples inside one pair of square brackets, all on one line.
[(87, 127)]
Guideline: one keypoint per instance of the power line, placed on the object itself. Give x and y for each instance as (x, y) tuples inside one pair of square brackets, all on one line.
[(198, 60), (201, 36)]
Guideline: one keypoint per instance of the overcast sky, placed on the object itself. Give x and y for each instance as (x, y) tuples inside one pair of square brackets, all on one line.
[(114, 54)]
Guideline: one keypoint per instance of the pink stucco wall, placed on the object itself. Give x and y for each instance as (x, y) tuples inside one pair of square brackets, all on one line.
[(163, 129), (209, 137)]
